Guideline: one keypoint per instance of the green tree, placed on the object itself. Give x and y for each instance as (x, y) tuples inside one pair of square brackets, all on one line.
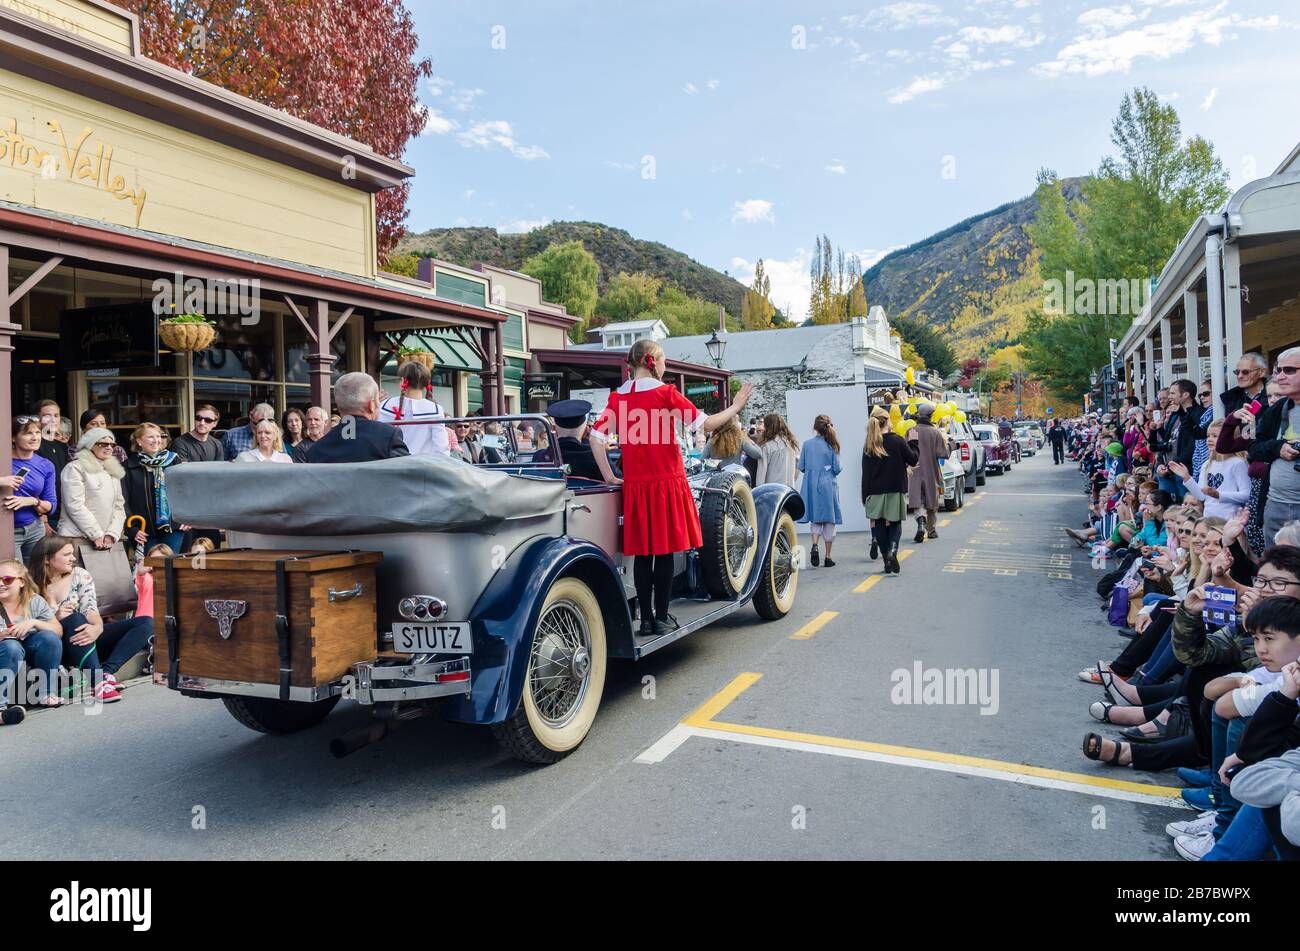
[(408, 265), (911, 357), (627, 297), (568, 273), (686, 316), (1129, 219), (928, 344), (756, 310)]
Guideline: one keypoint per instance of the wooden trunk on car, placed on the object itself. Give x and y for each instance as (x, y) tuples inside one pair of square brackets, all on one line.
[(332, 625)]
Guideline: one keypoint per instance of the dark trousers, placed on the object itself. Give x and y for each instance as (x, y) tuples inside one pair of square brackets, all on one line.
[(653, 577), (1058, 454), (1193, 749), (1140, 648), (120, 641), (1273, 822)]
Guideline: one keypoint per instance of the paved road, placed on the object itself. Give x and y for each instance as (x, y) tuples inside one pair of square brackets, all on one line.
[(809, 756)]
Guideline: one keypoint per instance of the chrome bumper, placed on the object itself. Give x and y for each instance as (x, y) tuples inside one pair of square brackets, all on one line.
[(367, 684)]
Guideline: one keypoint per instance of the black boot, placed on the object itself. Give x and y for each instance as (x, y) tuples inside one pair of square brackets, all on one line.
[(891, 561), (920, 529), (816, 557), (875, 547)]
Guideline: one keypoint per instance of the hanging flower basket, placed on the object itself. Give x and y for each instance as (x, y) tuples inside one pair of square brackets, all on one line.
[(189, 332), (417, 356)]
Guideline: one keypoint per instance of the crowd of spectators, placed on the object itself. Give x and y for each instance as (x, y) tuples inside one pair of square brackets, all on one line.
[(1194, 526)]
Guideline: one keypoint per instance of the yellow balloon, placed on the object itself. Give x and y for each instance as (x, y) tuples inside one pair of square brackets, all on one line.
[(908, 426), (901, 428), (952, 407), (895, 415), (910, 377), (959, 416)]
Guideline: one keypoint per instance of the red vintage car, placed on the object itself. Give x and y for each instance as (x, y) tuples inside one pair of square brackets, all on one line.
[(999, 451)]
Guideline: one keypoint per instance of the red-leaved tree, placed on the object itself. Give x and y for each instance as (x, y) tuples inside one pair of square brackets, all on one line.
[(346, 65)]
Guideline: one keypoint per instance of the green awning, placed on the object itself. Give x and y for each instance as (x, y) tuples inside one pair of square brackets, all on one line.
[(451, 352)]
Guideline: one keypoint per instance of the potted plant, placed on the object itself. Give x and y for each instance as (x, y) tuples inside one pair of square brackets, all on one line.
[(187, 332), (405, 354)]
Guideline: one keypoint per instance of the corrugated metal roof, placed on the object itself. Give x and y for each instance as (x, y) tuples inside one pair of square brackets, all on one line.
[(756, 349)]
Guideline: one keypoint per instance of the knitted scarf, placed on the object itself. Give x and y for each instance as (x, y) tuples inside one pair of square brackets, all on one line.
[(157, 465)]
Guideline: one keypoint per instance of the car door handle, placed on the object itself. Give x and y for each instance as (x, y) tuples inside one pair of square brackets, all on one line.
[(580, 508)]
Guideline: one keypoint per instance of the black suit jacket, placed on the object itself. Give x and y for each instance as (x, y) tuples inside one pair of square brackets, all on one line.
[(356, 439)]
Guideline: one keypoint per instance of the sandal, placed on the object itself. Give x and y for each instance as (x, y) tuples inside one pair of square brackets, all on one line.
[(1100, 711), (1135, 734), (1093, 674), (1112, 692), (1092, 749)]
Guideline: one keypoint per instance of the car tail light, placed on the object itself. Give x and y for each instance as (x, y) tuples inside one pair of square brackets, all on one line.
[(965, 452)]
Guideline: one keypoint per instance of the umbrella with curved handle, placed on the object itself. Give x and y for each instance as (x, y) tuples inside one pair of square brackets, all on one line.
[(139, 546)]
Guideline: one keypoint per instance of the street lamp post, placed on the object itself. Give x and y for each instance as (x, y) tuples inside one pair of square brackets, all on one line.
[(716, 347)]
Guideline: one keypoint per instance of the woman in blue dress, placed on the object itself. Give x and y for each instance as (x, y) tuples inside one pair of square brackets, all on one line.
[(819, 461)]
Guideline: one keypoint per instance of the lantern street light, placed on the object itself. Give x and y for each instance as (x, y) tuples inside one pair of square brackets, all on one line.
[(716, 347)]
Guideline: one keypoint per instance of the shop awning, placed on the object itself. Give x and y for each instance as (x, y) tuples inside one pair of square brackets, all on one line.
[(451, 352)]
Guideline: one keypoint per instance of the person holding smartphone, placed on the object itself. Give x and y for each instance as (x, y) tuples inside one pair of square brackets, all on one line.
[(1277, 443), (33, 485)]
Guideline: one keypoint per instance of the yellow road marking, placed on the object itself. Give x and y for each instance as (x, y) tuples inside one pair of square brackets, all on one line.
[(904, 555), (868, 584), (934, 756), (721, 700), (812, 627), (945, 523), (703, 719)]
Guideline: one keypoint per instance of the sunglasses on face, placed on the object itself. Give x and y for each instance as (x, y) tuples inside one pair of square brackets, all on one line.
[(1205, 396), (205, 419), (7, 580), (105, 445), (24, 420), (1288, 371)]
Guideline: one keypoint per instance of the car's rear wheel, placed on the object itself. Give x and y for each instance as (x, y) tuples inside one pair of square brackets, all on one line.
[(278, 716), (775, 595), (565, 677), (957, 501), (982, 477), (729, 523)]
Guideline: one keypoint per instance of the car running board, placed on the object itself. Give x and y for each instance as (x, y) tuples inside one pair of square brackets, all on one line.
[(648, 645)]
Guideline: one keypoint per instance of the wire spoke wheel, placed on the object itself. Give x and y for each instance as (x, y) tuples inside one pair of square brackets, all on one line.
[(565, 678), (729, 524), (774, 596)]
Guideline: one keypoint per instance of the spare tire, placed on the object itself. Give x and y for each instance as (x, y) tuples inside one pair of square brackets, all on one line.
[(729, 523)]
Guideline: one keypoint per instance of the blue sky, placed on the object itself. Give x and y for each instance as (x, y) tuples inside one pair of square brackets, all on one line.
[(734, 131)]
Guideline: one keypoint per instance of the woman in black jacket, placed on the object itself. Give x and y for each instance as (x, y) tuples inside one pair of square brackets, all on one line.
[(885, 459), (145, 489)]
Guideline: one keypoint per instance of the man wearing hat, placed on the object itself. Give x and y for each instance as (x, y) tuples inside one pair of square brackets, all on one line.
[(571, 427), (926, 483)]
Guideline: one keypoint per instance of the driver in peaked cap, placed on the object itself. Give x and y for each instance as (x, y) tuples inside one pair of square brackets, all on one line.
[(571, 426)]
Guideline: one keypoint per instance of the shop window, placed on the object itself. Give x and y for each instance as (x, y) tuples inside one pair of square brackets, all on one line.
[(241, 351), (128, 403), (44, 310), (234, 400)]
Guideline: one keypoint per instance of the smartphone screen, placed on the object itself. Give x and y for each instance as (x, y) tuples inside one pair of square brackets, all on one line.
[(22, 472)]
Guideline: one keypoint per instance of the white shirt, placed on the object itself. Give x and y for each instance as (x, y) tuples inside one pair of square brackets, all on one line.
[(421, 440), (1234, 492), (255, 455)]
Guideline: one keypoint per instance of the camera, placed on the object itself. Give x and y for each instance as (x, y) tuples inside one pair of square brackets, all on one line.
[(1296, 447)]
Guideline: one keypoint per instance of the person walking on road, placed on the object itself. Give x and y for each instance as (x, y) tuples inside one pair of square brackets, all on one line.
[(885, 459), (1056, 436), (926, 484), (819, 461)]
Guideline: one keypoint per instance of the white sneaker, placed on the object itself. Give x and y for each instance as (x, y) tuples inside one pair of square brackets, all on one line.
[(1202, 823), (1194, 847)]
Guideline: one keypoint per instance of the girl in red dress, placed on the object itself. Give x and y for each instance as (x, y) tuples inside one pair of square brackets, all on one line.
[(659, 516)]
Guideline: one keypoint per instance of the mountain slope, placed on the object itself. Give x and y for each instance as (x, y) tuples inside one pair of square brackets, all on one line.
[(614, 249), (976, 282)]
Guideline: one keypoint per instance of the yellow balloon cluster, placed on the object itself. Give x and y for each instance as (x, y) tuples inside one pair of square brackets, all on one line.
[(904, 427), (910, 377)]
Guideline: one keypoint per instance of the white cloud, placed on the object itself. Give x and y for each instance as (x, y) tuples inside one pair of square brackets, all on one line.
[(690, 89), (870, 258), (836, 167), (469, 194), (522, 225), (713, 84), (1208, 104), (917, 87), (899, 16), (1103, 20), (462, 99), (438, 84), (791, 285), (497, 133), (1098, 55), (686, 215), (753, 210), (438, 124)]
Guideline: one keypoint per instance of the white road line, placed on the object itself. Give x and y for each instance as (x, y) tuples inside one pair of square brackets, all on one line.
[(1041, 782), (663, 747)]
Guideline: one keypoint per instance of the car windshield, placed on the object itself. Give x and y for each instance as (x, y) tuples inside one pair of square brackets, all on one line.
[(986, 433)]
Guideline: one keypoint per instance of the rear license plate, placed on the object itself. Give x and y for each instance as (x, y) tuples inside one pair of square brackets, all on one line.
[(432, 638)]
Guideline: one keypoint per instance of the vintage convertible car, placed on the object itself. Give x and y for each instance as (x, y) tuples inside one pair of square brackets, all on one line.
[(498, 592)]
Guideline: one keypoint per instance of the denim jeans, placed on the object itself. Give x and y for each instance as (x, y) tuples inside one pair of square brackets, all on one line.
[(1173, 486), (41, 650), (1246, 840), (25, 539), (1224, 737), (1162, 664)]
